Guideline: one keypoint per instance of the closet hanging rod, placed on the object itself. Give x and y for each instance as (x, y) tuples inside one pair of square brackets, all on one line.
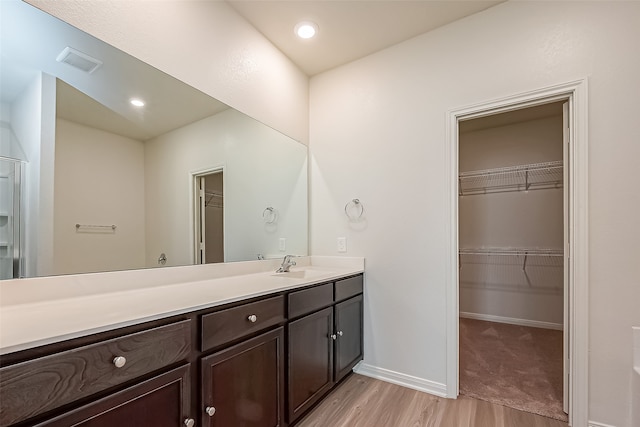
[(519, 252)]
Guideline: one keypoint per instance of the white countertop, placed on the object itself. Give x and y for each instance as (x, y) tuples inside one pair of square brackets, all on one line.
[(41, 311)]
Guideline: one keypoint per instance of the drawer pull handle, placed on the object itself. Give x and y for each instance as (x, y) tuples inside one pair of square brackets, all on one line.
[(333, 336), (119, 361), (189, 422), (210, 410), (253, 318), (340, 333)]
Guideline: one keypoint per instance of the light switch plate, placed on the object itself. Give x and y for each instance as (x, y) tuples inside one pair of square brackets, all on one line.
[(282, 244), (342, 244)]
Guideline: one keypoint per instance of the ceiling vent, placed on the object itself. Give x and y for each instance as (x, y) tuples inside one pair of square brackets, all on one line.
[(79, 60)]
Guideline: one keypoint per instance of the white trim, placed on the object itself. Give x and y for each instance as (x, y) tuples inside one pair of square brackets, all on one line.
[(595, 424), (579, 261), (566, 220), (512, 321), (401, 379), (576, 93)]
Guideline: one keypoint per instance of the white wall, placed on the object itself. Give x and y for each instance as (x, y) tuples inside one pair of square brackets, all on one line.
[(10, 147), (99, 180), (531, 141), (33, 121), (5, 112), (377, 132), (262, 168), (205, 44), (498, 285), (144, 188)]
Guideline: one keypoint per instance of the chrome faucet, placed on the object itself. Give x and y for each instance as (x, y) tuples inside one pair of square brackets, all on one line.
[(287, 263)]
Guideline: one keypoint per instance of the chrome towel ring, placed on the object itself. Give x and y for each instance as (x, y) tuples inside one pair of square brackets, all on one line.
[(270, 215), (354, 209)]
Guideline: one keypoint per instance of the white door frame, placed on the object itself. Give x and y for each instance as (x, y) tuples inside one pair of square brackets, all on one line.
[(578, 260)]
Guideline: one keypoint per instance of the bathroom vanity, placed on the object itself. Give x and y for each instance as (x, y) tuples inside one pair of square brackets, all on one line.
[(256, 349)]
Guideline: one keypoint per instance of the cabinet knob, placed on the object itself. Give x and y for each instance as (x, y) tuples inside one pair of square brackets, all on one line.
[(210, 410), (253, 318), (340, 333), (189, 422), (333, 336), (119, 361)]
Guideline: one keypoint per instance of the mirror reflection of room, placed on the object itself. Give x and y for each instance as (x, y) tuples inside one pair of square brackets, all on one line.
[(110, 182)]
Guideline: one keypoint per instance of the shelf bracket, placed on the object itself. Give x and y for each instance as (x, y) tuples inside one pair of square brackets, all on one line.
[(526, 180), (524, 263), (460, 187)]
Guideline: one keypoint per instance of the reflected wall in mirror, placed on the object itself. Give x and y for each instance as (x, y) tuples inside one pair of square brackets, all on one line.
[(94, 161)]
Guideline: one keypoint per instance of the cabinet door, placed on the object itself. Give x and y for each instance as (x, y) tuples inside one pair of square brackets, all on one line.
[(161, 401), (243, 386), (310, 360), (349, 336)]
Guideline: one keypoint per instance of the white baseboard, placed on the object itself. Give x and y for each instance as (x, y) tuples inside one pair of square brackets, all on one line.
[(512, 321), (401, 379), (595, 424)]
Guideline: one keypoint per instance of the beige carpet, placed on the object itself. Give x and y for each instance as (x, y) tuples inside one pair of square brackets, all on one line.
[(515, 366)]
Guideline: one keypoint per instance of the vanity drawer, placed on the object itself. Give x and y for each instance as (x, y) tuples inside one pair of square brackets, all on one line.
[(308, 300), (228, 325), (347, 288), (39, 385)]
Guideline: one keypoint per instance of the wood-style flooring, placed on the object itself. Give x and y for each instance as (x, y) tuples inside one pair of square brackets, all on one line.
[(366, 402)]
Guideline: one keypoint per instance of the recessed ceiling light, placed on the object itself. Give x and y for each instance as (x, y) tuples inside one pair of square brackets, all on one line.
[(137, 102), (306, 30)]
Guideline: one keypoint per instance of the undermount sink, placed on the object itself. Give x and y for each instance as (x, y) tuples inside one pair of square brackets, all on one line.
[(301, 274)]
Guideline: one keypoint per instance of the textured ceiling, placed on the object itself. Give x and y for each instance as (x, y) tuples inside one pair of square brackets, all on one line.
[(348, 30)]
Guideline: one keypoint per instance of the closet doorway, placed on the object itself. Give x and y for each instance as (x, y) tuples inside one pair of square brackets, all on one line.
[(209, 216), (512, 232)]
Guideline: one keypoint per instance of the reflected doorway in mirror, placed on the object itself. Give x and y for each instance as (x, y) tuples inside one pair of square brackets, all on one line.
[(209, 218)]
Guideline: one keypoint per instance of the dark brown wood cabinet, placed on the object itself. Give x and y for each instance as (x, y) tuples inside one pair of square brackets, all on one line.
[(42, 384), (310, 360), (263, 362), (325, 345), (225, 326), (243, 385), (161, 401), (348, 345)]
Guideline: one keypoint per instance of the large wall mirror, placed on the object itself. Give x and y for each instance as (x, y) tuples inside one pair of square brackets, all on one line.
[(91, 183)]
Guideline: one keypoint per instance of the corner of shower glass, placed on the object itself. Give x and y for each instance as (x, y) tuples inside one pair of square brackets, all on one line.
[(12, 159)]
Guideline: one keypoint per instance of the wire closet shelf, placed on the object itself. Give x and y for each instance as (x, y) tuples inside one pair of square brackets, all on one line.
[(213, 199), (521, 254), (513, 178)]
